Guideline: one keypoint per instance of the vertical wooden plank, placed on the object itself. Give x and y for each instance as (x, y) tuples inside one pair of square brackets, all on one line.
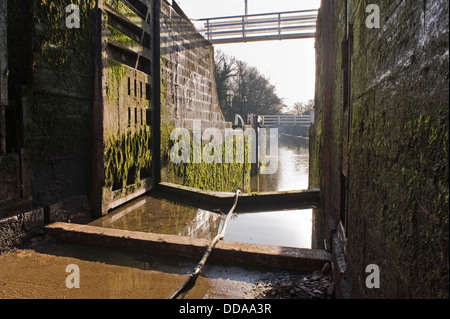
[(3, 73), (156, 93), (327, 80), (95, 193)]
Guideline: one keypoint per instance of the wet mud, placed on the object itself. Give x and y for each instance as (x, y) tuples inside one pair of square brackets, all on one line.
[(38, 271)]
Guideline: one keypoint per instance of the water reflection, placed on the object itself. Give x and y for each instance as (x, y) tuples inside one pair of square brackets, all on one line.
[(281, 228), (293, 168), (160, 216), (288, 228)]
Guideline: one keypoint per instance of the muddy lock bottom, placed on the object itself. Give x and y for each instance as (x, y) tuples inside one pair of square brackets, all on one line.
[(39, 271), (218, 280)]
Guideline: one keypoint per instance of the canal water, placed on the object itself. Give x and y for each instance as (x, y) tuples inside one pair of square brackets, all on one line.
[(280, 228)]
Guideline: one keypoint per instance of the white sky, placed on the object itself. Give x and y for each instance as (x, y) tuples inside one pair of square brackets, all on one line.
[(289, 64)]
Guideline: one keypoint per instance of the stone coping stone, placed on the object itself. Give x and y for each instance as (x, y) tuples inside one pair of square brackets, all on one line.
[(288, 258)]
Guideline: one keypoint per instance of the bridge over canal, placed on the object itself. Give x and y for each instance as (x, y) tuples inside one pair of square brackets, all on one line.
[(260, 27), (304, 120)]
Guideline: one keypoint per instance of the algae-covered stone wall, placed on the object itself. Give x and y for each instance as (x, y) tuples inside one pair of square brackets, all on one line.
[(188, 94), (396, 187), (50, 85), (3, 63)]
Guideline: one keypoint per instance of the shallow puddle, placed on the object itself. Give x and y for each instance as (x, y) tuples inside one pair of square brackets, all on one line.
[(279, 228), (148, 214)]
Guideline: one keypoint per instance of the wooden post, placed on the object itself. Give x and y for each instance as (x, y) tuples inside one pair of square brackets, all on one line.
[(95, 193), (3, 72), (156, 91)]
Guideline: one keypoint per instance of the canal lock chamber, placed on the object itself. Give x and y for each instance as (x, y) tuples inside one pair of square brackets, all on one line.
[(153, 213)]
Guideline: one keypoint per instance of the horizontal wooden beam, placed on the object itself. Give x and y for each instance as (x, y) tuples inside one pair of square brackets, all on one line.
[(127, 27), (258, 202), (129, 57), (298, 259)]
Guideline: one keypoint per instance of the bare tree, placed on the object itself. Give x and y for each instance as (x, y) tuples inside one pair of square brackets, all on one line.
[(243, 89), (223, 72), (301, 107)]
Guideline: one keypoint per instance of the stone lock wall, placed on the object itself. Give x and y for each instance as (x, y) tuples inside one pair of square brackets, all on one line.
[(50, 90), (381, 160), (188, 93), (79, 137), (48, 117), (188, 85)]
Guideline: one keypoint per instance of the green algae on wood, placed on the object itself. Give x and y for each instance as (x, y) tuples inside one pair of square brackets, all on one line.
[(125, 154)]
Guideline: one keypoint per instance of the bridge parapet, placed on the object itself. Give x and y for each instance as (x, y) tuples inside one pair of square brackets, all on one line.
[(260, 27)]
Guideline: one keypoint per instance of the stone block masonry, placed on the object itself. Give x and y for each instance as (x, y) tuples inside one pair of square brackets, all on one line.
[(45, 168), (380, 145), (77, 109), (187, 72), (50, 94), (188, 94), (15, 230)]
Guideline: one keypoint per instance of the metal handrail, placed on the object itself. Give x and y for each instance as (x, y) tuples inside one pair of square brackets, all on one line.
[(286, 119), (276, 24), (262, 30), (271, 21), (256, 14)]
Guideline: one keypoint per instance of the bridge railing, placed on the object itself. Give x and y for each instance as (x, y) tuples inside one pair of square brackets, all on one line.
[(286, 119), (260, 27)]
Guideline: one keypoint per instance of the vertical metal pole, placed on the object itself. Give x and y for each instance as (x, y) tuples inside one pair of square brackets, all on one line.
[(244, 20), (243, 28), (279, 26), (156, 98), (257, 150)]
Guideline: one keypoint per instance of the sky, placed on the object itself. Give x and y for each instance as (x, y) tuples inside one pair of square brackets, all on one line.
[(289, 64)]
